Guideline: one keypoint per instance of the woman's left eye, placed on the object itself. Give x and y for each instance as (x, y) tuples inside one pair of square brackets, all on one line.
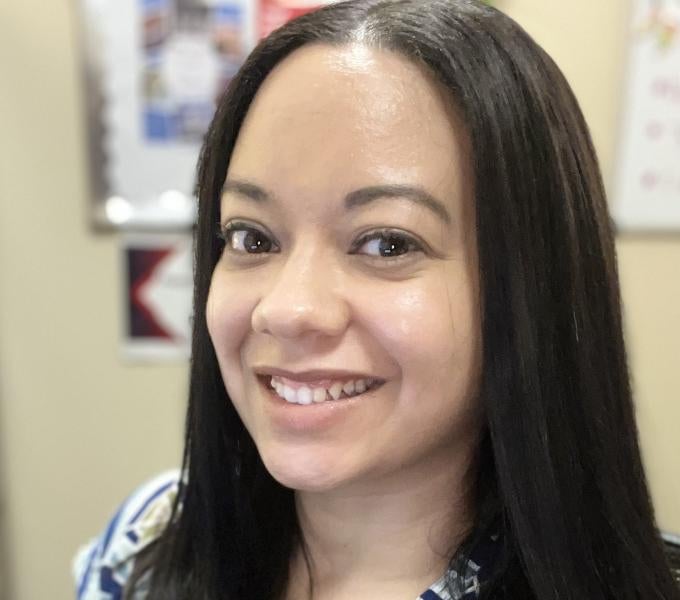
[(389, 244)]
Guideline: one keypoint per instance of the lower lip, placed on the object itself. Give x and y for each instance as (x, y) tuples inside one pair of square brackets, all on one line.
[(310, 417)]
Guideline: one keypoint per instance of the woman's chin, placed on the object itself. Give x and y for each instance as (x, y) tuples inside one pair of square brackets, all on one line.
[(304, 471)]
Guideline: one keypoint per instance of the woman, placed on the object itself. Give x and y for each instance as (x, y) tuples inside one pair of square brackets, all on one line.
[(408, 375)]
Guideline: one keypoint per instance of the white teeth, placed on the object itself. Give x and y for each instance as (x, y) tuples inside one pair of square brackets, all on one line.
[(289, 394), (304, 395), (335, 390), (307, 395)]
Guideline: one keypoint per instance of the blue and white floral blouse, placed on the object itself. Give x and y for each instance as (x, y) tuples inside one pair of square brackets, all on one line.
[(102, 566)]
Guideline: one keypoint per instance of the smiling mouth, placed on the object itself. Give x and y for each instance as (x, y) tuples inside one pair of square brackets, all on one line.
[(314, 395)]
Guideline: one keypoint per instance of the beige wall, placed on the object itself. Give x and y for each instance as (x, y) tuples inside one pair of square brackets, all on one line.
[(78, 429)]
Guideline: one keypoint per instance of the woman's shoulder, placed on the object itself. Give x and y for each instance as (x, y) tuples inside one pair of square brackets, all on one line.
[(102, 566)]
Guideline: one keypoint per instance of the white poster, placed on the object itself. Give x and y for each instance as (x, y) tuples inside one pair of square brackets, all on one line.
[(155, 70), (157, 284), (646, 193)]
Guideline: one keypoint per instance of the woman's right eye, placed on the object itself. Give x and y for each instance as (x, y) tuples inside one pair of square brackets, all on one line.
[(240, 238)]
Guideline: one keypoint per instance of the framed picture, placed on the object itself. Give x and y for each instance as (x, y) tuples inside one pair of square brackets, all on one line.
[(646, 191), (153, 71)]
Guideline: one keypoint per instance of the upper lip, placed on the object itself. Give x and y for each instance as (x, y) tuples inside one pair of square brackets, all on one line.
[(314, 374)]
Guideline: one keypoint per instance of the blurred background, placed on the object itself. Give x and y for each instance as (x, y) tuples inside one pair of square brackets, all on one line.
[(93, 372)]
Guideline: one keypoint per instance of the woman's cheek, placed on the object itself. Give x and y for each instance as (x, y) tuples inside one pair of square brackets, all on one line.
[(215, 312), (223, 298), (227, 316), (228, 321), (434, 327), (417, 320)]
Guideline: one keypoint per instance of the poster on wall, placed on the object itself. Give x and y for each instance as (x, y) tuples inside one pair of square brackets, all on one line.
[(157, 289), (646, 191), (154, 70), (274, 13)]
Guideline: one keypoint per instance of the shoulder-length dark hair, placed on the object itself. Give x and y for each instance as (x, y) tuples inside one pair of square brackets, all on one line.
[(559, 467)]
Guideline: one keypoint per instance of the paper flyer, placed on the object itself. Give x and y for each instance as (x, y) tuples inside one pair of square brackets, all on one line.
[(190, 51), (647, 185), (271, 14)]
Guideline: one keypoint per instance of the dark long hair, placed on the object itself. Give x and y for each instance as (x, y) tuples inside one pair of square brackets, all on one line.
[(559, 469)]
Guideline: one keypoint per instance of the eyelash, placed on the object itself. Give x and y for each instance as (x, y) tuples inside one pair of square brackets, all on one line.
[(412, 245)]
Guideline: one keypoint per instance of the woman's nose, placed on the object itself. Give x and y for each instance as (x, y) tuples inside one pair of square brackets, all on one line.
[(302, 297)]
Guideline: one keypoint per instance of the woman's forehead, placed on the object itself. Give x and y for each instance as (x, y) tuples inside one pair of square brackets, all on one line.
[(349, 117)]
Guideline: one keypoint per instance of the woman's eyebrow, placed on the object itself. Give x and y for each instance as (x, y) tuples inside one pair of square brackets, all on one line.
[(360, 197)]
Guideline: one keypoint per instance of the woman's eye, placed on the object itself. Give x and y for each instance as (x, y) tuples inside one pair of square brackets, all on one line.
[(244, 239), (387, 244)]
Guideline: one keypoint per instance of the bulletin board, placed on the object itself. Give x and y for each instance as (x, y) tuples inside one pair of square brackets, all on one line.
[(646, 191), (153, 72)]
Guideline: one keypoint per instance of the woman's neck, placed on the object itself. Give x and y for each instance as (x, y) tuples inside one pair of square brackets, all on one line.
[(391, 537)]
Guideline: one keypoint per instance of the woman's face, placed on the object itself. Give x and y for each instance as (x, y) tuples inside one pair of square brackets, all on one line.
[(340, 145)]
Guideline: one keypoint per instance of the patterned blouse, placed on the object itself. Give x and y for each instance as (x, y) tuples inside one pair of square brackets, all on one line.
[(102, 566)]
